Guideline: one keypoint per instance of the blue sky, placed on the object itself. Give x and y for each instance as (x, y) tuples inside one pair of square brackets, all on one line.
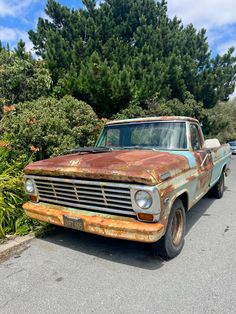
[(217, 16)]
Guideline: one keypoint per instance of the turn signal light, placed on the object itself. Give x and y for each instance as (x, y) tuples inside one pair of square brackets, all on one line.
[(33, 198), (146, 217)]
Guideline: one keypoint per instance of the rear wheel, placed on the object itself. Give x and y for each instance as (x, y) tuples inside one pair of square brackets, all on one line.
[(171, 244), (217, 190)]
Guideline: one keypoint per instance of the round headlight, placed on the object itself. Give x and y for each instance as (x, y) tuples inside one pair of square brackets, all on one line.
[(143, 199), (29, 186)]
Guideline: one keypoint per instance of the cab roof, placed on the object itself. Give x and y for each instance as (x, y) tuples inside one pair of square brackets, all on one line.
[(153, 119)]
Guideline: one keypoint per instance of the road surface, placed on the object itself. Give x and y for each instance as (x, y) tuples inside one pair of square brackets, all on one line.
[(72, 272)]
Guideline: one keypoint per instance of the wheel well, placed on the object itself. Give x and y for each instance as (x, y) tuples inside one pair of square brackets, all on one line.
[(184, 198), (224, 168)]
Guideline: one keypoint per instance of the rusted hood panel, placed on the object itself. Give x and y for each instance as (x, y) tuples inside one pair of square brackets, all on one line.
[(145, 167)]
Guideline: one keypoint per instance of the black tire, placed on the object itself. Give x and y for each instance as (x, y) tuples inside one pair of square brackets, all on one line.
[(217, 190), (171, 244)]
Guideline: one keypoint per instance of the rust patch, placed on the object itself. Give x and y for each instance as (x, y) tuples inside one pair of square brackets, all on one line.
[(162, 118), (204, 166), (104, 225), (126, 166), (190, 178), (166, 191)]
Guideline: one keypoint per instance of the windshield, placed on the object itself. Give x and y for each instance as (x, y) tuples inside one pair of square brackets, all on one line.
[(156, 135)]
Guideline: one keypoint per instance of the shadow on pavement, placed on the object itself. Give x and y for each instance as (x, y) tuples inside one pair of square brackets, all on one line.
[(142, 255), (199, 210)]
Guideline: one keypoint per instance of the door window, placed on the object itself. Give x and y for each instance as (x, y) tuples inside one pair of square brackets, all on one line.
[(196, 140)]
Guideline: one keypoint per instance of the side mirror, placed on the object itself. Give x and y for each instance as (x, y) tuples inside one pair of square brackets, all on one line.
[(212, 143)]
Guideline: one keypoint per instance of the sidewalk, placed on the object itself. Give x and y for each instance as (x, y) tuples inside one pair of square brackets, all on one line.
[(11, 247)]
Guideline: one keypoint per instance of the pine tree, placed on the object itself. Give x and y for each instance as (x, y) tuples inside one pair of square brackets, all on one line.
[(20, 50), (140, 52)]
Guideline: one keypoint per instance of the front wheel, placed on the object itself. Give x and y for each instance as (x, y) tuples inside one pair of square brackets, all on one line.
[(171, 244)]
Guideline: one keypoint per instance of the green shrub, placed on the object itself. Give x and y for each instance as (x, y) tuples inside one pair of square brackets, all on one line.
[(160, 107), (220, 121), (133, 110), (47, 127), (50, 126), (174, 107), (22, 77), (12, 196)]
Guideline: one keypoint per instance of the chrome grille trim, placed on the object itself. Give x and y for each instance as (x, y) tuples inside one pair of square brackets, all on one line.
[(92, 195)]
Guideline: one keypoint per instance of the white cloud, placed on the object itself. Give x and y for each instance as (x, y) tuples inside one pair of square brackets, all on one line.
[(28, 44), (98, 2), (217, 16), (223, 48), (233, 96), (5, 9), (13, 35), (14, 7), (204, 13), (8, 34)]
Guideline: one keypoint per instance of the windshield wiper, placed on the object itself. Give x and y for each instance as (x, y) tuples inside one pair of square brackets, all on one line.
[(150, 148), (89, 150), (136, 147)]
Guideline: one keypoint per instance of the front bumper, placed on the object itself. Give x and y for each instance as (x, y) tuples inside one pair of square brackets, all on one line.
[(97, 223)]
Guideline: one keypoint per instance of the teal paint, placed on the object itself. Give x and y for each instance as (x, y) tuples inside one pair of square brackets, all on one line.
[(191, 159), (216, 172), (218, 166)]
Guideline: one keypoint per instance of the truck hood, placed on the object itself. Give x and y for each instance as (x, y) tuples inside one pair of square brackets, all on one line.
[(136, 166)]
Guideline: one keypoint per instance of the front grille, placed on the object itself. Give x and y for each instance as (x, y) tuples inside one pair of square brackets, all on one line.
[(88, 195)]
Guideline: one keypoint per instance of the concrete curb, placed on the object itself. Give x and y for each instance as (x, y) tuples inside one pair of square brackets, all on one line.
[(11, 247)]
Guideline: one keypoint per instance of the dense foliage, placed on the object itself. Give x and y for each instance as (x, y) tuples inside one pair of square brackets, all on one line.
[(50, 126), (21, 77), (126, 51), (159, 107), (12, 217), (220, 122), (37, 129)]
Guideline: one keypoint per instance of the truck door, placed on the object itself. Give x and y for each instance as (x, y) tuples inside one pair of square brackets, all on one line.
[(203, 160)]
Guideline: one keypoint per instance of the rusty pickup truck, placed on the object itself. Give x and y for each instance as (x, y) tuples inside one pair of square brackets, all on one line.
[(137, 183)]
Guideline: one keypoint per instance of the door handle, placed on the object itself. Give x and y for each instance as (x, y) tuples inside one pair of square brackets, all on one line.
[(205, 158)]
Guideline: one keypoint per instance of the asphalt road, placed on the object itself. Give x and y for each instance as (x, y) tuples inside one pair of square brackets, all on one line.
[(72, 272)]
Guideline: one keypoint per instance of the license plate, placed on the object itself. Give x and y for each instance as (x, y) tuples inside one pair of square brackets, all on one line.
[(73, 223)]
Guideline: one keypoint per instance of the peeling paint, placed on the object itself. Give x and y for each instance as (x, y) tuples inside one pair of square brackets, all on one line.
[(100, 224), (126, 166), (170, 173)]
